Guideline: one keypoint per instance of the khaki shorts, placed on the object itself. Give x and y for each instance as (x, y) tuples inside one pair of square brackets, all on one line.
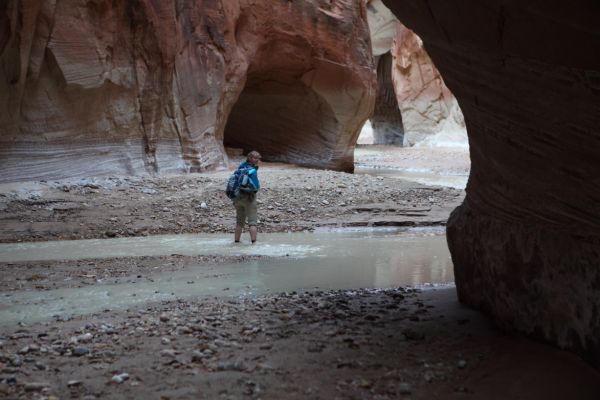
[(245, 208)]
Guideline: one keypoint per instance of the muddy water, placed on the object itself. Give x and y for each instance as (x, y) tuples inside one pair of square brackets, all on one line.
[(420, 176), (334, 259)]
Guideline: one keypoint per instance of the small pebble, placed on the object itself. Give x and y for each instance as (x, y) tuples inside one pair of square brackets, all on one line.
[(120, 378), (80, 351)]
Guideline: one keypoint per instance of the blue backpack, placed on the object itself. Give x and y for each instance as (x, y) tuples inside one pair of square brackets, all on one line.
[(236, 182)]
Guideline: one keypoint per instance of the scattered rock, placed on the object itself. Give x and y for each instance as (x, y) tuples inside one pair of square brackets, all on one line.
[(40, 366), (237, 365), (35, 386), (16, 361), (168, 353), (120, 378), (79, 351), (198, 356)]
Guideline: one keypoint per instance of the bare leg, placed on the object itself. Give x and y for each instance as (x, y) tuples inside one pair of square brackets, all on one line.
[(238, 233), (253, 233)]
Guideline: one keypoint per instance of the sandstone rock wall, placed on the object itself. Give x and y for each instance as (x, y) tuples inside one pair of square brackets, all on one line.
[(382, 27), (310, 84), (425, 101), (430, 113), (114, 86), (386, 120), (526, 241)]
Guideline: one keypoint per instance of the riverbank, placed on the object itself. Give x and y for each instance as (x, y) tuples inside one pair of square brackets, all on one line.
[(291, 199), (363, 344)]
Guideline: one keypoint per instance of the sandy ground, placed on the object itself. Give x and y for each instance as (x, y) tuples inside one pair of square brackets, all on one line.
[(362, 344)]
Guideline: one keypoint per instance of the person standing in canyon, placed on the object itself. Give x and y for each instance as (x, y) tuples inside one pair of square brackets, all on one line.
[(245, 203)]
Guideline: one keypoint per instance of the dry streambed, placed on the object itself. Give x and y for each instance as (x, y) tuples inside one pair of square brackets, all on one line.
[(346, 344), (356, 344), (292, 199)]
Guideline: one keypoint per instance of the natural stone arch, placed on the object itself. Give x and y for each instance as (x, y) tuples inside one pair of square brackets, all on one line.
[(424, 110), (300, 108), (285, 121), (526, 241)]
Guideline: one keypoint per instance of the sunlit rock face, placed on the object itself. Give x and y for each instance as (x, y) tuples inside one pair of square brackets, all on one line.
[(425, 101), (430, 113), (526, 241), (382, 27), (103, 87)]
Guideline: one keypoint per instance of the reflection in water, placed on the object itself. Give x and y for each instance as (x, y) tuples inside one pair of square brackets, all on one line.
[(333, 259)]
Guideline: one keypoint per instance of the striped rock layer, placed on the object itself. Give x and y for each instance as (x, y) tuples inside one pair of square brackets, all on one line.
[(526, 241), (140, 86)]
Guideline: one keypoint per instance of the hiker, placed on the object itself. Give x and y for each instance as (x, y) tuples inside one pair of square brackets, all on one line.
[(245, 203)]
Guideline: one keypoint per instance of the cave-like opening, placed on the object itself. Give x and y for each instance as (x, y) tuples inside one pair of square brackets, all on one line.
[(282, 118)]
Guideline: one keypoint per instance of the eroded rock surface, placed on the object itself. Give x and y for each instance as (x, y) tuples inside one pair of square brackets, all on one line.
[(425, 102), (430, 114), (526, 242), (386, 119), (111, 86)]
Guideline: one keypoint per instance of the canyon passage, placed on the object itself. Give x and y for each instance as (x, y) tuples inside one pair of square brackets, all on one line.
[(470, 124)]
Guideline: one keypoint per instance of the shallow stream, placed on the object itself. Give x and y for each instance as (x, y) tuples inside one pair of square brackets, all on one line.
[(326, 259), (423, 177)]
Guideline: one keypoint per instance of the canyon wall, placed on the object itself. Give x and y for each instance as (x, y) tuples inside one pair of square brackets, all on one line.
[(429, 112), (526, 241), (114, 86), (428, 107)]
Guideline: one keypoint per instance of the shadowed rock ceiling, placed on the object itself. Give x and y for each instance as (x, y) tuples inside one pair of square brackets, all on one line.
[(526, 241)]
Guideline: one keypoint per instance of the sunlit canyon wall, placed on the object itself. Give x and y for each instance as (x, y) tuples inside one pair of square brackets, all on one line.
[(413, 105)]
